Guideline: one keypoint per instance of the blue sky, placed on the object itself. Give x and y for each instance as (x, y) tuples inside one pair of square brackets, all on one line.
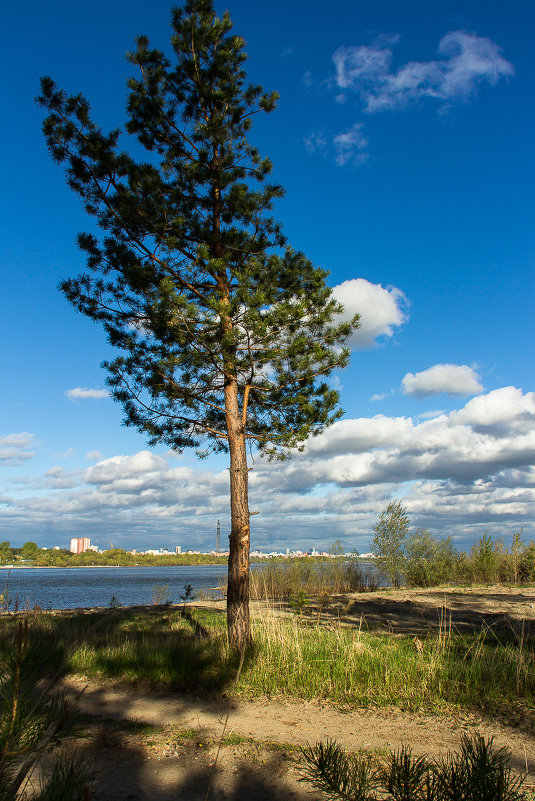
[(404, 140)]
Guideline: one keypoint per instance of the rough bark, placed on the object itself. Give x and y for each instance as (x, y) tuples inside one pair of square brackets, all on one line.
[(238, 623)]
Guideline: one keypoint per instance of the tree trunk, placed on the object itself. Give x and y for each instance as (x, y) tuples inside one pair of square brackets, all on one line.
[(238, 623)]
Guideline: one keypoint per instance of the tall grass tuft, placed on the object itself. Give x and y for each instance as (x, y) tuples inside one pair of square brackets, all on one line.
[(283, 581)]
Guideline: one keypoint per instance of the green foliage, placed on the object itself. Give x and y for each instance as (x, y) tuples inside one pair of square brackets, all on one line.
[(336, 549), (527, 563), (192, 281), (485, 560), (6, 553), (478, 772), (330, 769), (389, 541), (429, 561), (28, 550), (298, 602)]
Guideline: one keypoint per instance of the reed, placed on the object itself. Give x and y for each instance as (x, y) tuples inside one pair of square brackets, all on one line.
[(286, 580)]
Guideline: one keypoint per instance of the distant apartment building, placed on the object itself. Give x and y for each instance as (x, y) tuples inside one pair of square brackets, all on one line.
[(80, 544)]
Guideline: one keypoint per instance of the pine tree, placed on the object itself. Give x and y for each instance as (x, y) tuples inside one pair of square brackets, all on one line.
[(225, 333)]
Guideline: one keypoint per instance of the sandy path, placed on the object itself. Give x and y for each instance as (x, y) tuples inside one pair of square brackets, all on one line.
[(152, 768), (159, 766)]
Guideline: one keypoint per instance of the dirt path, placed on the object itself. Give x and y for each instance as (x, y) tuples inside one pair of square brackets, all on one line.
[(160, 746), (151, 746)]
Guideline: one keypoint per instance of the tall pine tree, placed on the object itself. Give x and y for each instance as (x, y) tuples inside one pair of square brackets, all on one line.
[(225, 334)]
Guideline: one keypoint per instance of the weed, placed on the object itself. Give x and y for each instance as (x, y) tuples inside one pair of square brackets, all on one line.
[(160, 594), (233, 738), (188, 594)]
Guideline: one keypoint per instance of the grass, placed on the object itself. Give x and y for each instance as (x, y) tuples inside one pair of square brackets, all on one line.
[(348, 666), (293, 657)]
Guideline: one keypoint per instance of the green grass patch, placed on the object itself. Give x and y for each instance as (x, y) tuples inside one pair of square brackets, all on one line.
[(290, 657), (346, 666), (233, 738)]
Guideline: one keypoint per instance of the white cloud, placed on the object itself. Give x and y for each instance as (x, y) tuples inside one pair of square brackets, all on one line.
[(14, 448), (83, 393), (66, 454), (453, 379), (122, 468), (381, 310), (93, 456), (316, 142), (460, 473), (499, 410), (492, 433), (467, 61), (350, 146)]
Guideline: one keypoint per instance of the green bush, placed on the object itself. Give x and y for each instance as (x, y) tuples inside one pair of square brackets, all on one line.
[(429, 561), (478, 772), (389, 542)]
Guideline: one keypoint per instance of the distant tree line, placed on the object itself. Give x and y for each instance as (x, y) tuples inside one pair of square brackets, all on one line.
[(40, 557)]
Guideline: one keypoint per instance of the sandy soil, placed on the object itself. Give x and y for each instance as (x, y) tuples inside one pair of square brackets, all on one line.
[(157, 747)]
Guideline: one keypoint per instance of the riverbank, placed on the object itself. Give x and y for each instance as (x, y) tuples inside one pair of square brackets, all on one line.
[(156, 743)]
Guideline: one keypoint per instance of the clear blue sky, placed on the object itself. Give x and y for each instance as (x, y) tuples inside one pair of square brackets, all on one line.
[(404, 139)]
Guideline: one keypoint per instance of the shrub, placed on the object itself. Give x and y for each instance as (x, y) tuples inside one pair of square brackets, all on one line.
[(478, 772), (389, 542), (31, 724), (430, 561)]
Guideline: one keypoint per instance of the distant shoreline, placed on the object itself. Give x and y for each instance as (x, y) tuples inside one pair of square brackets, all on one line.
[(89, 567)]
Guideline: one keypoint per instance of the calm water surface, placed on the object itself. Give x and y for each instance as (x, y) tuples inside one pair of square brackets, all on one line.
[(72, 587)]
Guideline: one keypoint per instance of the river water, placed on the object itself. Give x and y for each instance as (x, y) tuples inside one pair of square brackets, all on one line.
[(73, 587)]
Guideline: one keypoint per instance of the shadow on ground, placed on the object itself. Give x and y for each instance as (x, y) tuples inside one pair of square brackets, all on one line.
[(436, 614), (132, 772)]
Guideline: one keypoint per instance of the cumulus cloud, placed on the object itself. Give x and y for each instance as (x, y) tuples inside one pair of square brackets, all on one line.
[(381, 310), (452, 379), (14, 448), (492, 433), (460, 473), (83, 393), (465, 62), (500, 410), (129, 470)]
